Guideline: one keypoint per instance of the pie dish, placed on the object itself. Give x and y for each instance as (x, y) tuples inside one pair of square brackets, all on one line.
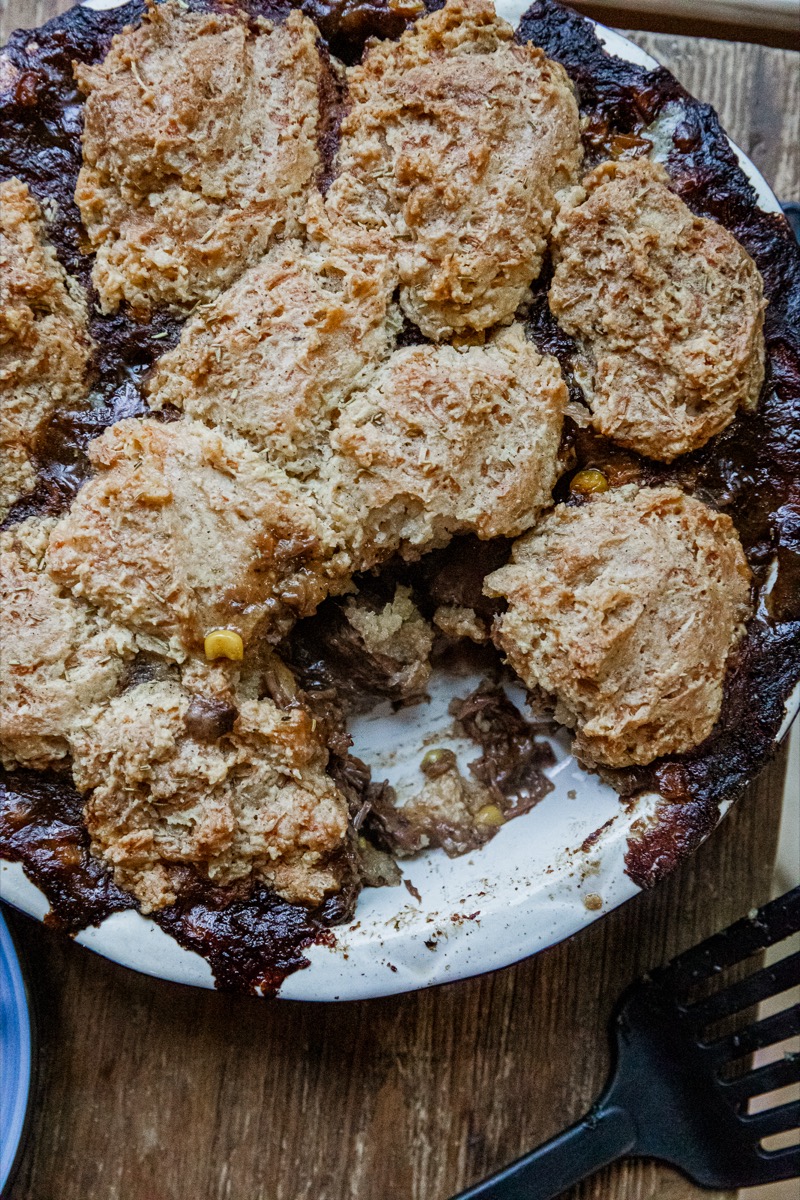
[(335, 386)]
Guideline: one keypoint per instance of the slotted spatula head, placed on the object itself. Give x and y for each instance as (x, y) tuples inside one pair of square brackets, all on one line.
[(671, 1067)]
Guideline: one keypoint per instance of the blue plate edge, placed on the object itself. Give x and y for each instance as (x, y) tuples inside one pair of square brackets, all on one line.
[(18, 1014)]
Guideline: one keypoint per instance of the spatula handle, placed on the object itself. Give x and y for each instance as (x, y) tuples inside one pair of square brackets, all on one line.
[(602, 1137)]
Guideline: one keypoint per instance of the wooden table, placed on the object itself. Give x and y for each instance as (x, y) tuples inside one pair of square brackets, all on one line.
[(151, 1091)]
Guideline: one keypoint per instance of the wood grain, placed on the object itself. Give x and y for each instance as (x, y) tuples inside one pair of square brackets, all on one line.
[(26, 14), (150, 1091), (755, 90)]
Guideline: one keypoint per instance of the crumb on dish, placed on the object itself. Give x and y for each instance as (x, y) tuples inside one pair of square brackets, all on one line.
[(199, 149)]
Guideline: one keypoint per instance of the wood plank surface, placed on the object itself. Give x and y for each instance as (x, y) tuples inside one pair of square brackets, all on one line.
[(755, 90), (151, 1091), (768, 24)]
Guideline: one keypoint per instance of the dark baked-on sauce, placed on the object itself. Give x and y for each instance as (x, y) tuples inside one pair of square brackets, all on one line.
[(752, 470)]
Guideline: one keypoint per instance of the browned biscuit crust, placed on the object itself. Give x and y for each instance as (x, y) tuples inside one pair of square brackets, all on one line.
[(667, 307), (445, 441), (456, 142), (58, 657), (624, 610), (277, 356), (184, 530), (44, 342), (199, 150), (255, 802)]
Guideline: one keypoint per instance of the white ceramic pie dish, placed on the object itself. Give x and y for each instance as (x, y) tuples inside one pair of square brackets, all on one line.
[(533, 885)]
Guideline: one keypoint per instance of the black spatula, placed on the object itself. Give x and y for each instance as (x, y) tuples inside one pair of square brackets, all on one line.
[(669, 1097)]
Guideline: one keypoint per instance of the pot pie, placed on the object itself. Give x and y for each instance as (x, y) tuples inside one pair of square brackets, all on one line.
[(333, 351)]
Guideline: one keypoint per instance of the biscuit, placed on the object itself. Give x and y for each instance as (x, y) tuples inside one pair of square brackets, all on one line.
[(456, 141), (667, 309), (199, 150), (44, 342), (625, 610)]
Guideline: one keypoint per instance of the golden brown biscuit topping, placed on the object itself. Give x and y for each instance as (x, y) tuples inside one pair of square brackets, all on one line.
[(278, 355), (44, 342), (256, 801), (199, 150), (456, 142), (58, 659), (184, 530), (624, 610), (667, 308), (445, 441)]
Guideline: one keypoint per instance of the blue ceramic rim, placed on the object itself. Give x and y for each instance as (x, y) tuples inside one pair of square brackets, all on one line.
[(15, 1055)]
